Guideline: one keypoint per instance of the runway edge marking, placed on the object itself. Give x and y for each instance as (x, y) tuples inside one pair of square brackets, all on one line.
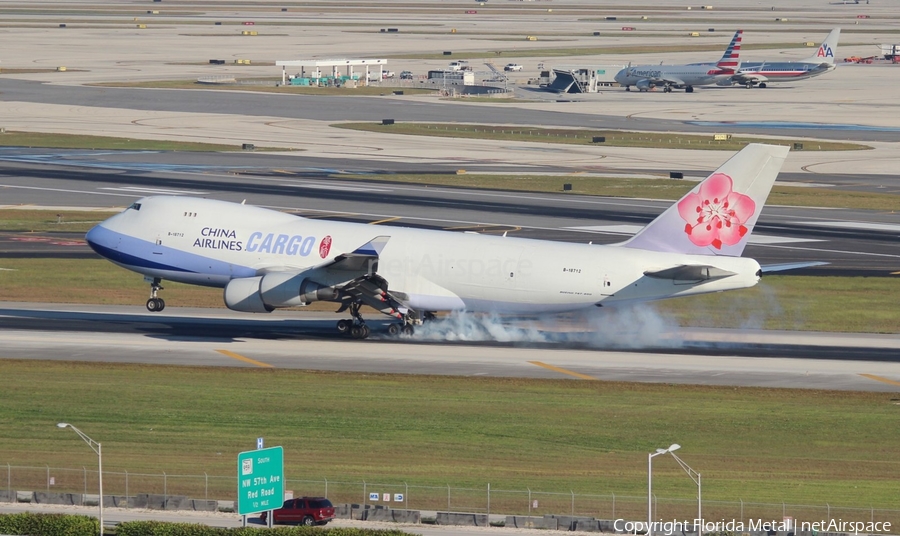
[(239, 357), (563, 371), (880, 379)]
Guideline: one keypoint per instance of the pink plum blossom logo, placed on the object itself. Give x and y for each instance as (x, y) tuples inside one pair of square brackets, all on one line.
[(717, 214)]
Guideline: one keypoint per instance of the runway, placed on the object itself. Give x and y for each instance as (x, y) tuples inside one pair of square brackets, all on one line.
[(542, 349)]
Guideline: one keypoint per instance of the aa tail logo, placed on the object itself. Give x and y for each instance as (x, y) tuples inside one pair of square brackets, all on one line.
[(729, 62), (825, 52)]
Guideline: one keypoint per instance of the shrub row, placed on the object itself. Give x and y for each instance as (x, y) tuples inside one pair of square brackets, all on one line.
[(30, 524), (48, 524), (160, 528)]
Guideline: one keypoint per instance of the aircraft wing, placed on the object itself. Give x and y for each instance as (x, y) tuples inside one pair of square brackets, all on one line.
[(743, 78), (359, 271), (666, 81), (362, 259)]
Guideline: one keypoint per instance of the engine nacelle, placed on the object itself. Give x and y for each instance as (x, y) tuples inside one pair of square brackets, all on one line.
[(264, 294), (243, 295), (643, 85), (725, 82)]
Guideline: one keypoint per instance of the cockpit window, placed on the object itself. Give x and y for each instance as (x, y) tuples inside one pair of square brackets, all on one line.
[(135, 206)]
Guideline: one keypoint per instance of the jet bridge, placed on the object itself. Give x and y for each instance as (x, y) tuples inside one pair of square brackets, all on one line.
[(583, 80)]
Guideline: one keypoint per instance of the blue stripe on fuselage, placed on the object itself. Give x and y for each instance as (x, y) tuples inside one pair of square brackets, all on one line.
[(137, 254)]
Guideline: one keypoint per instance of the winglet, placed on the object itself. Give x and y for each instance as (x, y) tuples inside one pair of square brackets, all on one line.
[(372, 247), (718, 215)]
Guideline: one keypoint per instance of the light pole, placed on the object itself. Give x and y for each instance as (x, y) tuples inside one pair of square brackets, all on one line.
[(91, 443), (695, 476), (673, 447)]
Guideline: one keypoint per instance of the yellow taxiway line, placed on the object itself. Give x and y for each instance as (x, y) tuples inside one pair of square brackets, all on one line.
[(880, 379), (245, 359), (395, 218), (563, 371)]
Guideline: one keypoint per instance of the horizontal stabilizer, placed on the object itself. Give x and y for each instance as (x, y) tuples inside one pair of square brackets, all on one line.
[(690, 272), (790, 266)]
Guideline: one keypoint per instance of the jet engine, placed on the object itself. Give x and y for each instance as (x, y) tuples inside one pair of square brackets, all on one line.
[(643, 85), (264, 294)]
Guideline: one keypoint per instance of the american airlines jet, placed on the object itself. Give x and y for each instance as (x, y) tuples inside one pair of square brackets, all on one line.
[(264, 259), (645, 77), (760, 74)]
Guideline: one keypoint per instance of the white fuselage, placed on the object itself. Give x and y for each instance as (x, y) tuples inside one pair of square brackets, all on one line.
[(209, 242), (689, 75)]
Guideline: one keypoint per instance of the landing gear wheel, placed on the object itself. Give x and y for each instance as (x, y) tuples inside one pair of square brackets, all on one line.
[(762, 85), (343, 326), (359, 331), (689, 89), (394, 329), (155, 303), (408, 330)]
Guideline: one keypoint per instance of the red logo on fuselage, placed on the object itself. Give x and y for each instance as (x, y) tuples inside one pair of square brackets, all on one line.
[(325, 246)]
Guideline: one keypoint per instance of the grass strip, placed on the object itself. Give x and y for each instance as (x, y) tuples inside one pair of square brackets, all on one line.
[(67, 221), (753, 444), (571, 136), (81, 141), (668, 189), (867, 304)]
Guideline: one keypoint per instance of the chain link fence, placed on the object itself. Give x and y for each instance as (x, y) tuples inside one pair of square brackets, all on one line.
[(438, 498)]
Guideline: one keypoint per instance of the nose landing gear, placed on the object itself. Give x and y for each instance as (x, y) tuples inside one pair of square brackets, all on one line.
[(155, 304)]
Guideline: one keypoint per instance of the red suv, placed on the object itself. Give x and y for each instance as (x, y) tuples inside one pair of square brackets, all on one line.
[(307, 511)]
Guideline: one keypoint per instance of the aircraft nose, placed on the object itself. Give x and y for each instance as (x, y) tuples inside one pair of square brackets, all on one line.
[(95, 238)]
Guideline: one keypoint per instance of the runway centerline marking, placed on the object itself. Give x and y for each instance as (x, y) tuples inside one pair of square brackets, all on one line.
[(239, 357), (880, 379), (563, 371)]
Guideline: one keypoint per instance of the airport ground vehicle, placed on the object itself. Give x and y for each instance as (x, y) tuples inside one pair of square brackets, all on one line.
[(890, 52), (406, 75), (512, 67), (307, 511)]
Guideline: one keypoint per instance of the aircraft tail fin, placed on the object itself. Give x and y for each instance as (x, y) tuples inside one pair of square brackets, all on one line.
[(718, 215), (730, 60), (828, 48)]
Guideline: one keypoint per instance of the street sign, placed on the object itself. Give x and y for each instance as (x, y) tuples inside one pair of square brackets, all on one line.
[(260, 480)]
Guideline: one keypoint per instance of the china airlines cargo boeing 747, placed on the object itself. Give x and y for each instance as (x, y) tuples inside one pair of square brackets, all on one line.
[(266, 259)]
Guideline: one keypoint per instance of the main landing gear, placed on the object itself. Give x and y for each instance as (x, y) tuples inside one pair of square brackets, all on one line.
[(155, 304), (357, 328)]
